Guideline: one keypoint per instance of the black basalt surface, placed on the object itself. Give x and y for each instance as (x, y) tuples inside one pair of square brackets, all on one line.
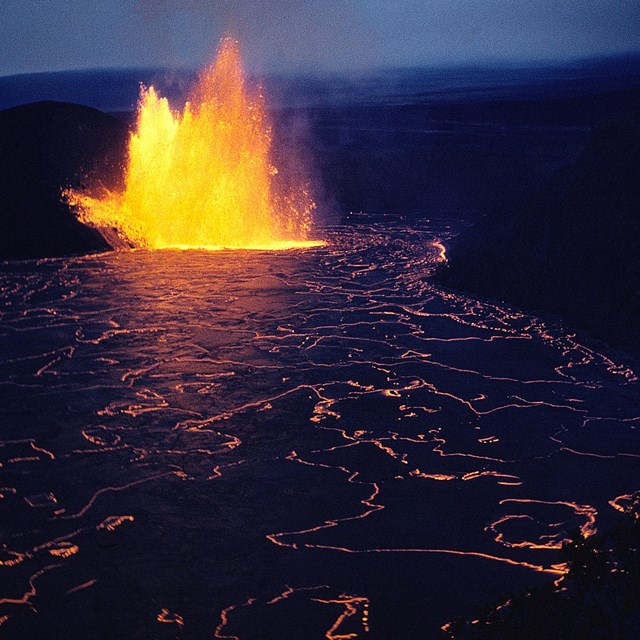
[(571, 248), (44, 148), (298, 445)]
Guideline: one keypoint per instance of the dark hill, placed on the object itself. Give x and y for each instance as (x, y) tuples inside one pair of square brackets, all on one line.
[(572, 248), (45, 147)]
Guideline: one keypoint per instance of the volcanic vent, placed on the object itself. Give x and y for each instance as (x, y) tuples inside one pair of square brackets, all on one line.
[(203, 177)]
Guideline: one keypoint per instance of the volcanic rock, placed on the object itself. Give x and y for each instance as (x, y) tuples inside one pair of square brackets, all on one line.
[(571, 248), (44, 148)]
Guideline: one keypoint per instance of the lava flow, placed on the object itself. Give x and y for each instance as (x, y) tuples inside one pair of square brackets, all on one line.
[(203, 178)]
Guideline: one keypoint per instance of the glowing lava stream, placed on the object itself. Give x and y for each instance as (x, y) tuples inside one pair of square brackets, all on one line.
[(203, 178)]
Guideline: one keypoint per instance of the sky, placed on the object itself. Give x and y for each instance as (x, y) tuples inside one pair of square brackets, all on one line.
[(309, 35)]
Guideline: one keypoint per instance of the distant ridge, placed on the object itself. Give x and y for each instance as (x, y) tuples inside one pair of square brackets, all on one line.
[(103, 89), (117, 89)]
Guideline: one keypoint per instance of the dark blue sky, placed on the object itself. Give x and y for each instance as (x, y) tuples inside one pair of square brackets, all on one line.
[(285, 35)]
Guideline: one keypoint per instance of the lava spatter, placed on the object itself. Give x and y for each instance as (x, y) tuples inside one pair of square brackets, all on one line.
[(205, 177)]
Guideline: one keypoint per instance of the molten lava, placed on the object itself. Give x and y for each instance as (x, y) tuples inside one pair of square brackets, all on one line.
[(203, 177)]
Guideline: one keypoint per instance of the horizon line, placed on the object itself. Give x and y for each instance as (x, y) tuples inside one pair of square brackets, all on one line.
[(475, 63)]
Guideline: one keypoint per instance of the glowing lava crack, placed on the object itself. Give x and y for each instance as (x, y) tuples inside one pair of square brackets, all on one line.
[(203, 178)]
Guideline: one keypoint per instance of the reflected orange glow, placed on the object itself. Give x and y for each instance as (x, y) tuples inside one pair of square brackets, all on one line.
[(203, 178), (11, 558), (442, 251), (111, 523), (81, 587), (64, 550), (442, 477), (352, 605), (554, 529), (167, 617)]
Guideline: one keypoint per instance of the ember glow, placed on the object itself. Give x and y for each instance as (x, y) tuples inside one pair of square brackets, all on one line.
[(203, 178)]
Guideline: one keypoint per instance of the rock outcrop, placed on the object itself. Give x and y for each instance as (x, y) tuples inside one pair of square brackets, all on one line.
[(44, 148), (572, 248)]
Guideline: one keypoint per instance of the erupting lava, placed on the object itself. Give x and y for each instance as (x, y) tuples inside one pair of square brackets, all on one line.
[(203, 178)]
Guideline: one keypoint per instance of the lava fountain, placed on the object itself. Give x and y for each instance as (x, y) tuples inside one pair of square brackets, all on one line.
[(203, 178)]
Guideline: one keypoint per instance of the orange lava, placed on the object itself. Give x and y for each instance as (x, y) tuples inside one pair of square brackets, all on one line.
[(203, 178)]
